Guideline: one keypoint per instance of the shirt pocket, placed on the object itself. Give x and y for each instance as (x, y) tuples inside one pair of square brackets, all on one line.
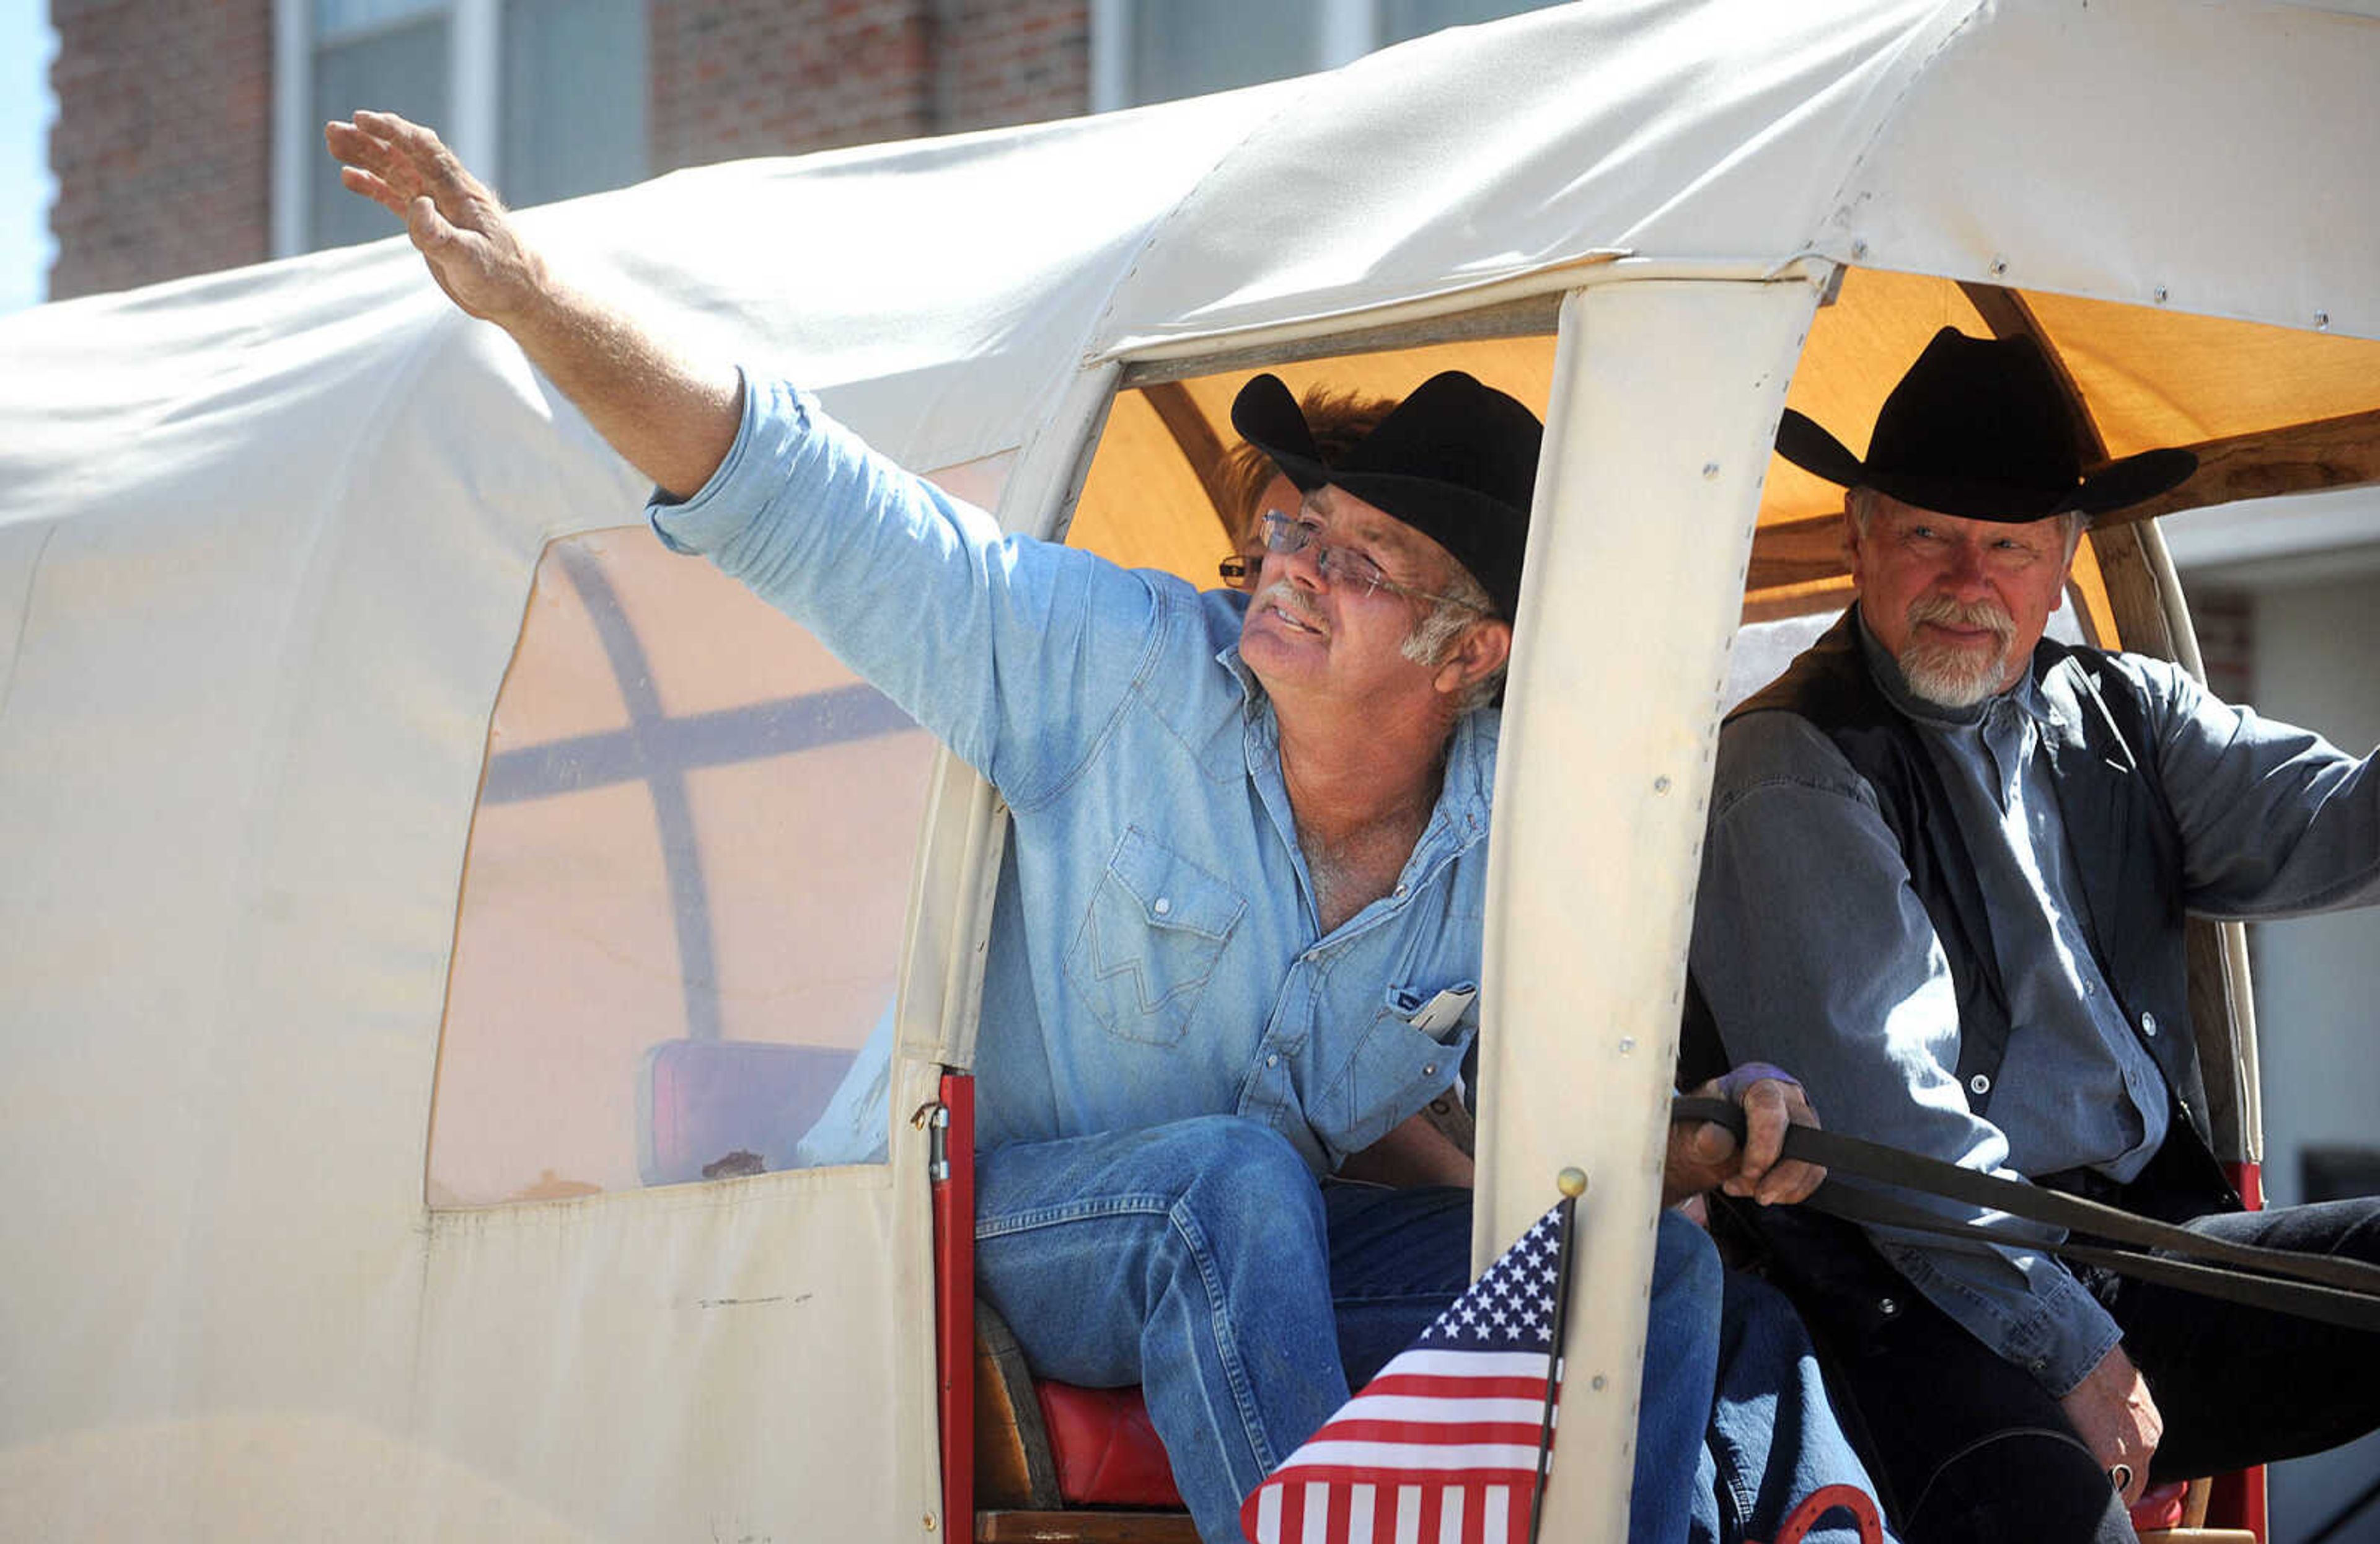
[(1393, 1073), (1150, 940)]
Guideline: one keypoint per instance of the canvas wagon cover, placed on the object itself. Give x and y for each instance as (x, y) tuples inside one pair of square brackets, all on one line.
[(266, 540)]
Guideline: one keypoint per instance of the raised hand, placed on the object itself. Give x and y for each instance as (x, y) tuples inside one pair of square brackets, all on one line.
[(671, 417), (457, 221)]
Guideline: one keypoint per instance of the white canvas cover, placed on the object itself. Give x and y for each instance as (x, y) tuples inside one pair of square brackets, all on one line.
[(267, 540)]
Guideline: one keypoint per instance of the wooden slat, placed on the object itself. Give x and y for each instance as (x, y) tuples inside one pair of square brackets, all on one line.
[(2004, 312), (1530, 316), (1196, 440), (1774, 605), (1797, 552), (2302, 458), (1085, 1528), (1013, 1467), (2311, 458), (2132, 591)]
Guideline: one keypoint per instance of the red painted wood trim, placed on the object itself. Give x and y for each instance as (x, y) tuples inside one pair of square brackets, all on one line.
[(2237, 1501), (955, 1305)]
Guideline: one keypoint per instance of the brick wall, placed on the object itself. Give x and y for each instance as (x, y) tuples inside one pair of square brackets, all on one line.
[(736, 78), (2225, 621), (163, 143), (733, 78), (1011, 61)]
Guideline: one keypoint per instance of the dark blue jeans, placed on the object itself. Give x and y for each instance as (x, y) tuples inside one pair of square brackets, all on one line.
[(1201, 1260), (1972, 1447)]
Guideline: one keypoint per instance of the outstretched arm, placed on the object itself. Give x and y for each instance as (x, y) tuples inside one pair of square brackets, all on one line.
[(671, 418)]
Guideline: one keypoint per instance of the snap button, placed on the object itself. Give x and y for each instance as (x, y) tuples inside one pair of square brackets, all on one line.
[(1889, 1307), (1429, 1069), (1403, 890), (1273, 1060), (1163, 907), (1980, 1084), (2089, 988), (2148, 1024)]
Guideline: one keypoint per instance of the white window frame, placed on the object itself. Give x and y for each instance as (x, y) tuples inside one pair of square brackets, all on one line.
[(1350, 30), (474, 45)]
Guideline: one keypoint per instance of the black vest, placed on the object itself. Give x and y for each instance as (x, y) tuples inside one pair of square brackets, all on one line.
[(2127, 856)]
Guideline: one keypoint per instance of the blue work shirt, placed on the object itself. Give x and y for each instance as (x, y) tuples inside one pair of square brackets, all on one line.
[(1815, 951), (1155, 950)]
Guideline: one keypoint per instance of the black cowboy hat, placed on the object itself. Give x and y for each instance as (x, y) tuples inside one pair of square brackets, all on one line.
[(1979, 428), (1455, 461)]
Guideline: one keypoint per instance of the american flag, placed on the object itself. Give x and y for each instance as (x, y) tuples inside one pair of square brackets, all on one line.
[(1445, 1445)]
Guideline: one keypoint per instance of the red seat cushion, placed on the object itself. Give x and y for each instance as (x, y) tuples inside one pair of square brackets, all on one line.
[(1107, 1452), (2159, 1507)]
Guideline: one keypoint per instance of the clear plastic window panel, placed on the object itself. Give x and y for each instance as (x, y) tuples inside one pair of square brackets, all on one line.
[(685, 892)]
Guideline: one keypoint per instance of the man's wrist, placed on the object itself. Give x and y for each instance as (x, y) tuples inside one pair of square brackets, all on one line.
[(1738, 1081)]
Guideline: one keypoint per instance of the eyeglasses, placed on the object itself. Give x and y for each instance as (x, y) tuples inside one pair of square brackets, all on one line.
[(1343, 566), (1237, 572)]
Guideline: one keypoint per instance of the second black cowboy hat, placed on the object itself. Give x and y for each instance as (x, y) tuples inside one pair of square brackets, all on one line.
[(1980, 429), (1455, 461)]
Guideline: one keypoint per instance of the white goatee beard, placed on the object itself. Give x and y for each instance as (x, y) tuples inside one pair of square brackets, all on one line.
[(1947, 674)]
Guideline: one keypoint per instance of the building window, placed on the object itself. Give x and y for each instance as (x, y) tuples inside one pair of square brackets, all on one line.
[(1145, 51), (545, 98)]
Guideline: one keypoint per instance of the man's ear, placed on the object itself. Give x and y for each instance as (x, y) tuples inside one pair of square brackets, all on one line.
[(1853, 556), (1480, 651)]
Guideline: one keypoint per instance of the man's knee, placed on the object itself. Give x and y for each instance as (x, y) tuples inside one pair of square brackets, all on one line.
[(1685, 1261), (1682, 1328), (1227, 1176), (2021, 1483)]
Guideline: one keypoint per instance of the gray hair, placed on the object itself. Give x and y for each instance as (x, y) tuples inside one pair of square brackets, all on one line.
[(1432, 640), (1859, 503)]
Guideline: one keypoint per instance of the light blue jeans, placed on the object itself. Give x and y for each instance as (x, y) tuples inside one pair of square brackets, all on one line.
[(1201, 1260)]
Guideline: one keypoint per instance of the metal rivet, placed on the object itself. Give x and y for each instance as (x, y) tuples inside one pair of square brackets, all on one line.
[(1163, 906), (1596, 1382), (2322, 321), (1999, 266), (931, 1523), (1859, 249), (1980, 1084), (1627, 1044), (1710, 469), (2157, 295), (2148, 1024)]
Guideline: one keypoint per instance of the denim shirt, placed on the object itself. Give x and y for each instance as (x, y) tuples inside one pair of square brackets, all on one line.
[(1815, 952), (1155, 952)]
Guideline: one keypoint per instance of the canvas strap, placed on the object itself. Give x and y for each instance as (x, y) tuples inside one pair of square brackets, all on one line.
[(2324, 1287)]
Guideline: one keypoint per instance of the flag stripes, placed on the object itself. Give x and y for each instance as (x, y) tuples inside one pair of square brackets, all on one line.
[(1446, 1444), (1316, 1513)]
